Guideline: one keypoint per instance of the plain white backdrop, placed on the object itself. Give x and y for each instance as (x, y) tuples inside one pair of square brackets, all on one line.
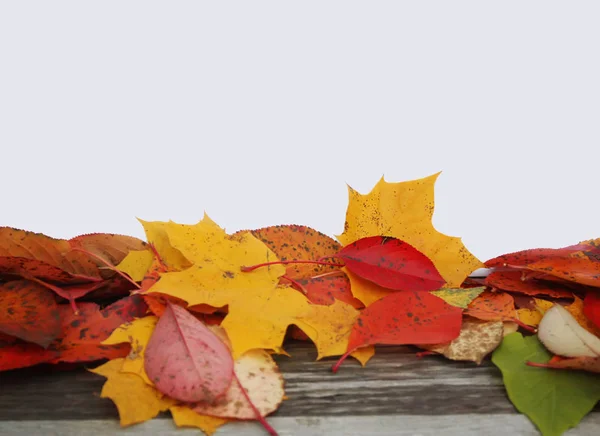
[(260, 113)]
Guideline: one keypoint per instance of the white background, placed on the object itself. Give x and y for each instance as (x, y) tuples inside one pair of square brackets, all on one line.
[(260, 113)]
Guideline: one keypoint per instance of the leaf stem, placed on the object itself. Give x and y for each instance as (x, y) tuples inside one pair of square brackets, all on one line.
[(288, 262), (522, 325), (112, 267), (259, 416), (337, 365), (541, 365), (296, 284), (425, 353)]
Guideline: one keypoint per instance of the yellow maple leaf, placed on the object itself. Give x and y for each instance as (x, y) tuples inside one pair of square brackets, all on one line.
[(157, 235), (137, 333), (136, 264), (365, 290), (186, 417), (136, 401), (405, 210), (259, 311)]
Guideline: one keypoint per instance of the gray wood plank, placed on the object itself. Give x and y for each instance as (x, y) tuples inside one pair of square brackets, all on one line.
[(448, 425), (394, 382)]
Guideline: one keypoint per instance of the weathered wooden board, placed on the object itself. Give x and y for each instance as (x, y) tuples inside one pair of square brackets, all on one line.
[(396, 392)]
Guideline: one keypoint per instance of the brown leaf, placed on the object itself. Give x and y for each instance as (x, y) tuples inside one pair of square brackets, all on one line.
[(477, 339), (41, 256), (111, 248)]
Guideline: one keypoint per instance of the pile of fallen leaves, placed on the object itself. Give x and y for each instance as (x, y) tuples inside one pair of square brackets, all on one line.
[(188, 321)]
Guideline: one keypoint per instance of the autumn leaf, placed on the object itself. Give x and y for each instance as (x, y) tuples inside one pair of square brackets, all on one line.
[(6, 339), (584, 363), (327, 288), (137, 333), (578, 310), (84, 333), (23, 355), (405, 318), (70, 292), (578, 270), (553, 400), (512, 281), (526, 257), (183, 416), (136, 264), (492, 306), (404, 211), (109, 248), (391, 263), (459, 297), (185, 360), (29, 312), (565, 264), (533, 316), (257, 387), (158, 237), (43, 257), (80, 338), (136, 401), (294, 242), (561, 334), (591, 308), (259, 312), (477, 339), (365, 290)]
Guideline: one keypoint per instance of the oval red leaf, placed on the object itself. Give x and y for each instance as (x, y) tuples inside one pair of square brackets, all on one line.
[(391, 263)]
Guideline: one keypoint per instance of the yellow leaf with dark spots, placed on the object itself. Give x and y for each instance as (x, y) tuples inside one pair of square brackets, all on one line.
[(135, 400), (405, 211)]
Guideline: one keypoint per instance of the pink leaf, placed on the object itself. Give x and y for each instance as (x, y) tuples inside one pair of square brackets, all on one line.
[(185, 360)]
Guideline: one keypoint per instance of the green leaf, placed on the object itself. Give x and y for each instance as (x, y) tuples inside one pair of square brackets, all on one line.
[(554, 400), (459, 297)]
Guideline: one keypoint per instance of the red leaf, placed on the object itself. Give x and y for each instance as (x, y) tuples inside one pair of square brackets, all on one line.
[(29, 312), (23, 355), (591, 307), (580, 270), (186, 360), (512, 281), (392, 264), (576, 263), (525, 257), (6, 340), (324, 290), (43, 257), (83, 334), (70, 293), (405, 318), (492, 306)]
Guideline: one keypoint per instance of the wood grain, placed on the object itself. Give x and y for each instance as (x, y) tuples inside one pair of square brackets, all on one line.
[(390, 425), (394, 382)]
